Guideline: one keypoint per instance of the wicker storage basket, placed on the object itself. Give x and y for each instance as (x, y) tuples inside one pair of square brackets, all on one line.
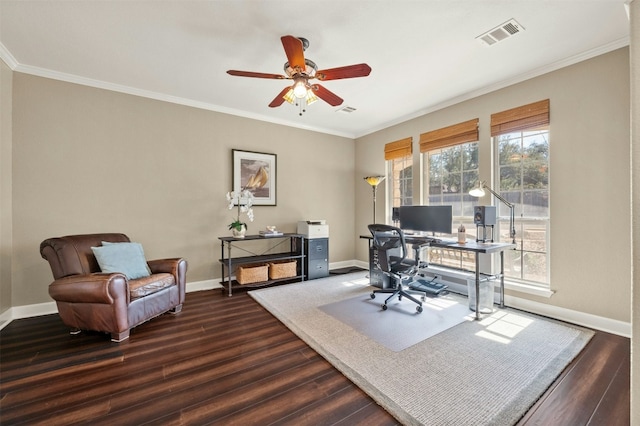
[(282, 270), (252, 274)]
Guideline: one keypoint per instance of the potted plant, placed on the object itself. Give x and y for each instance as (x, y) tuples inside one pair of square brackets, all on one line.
[(243, 200)]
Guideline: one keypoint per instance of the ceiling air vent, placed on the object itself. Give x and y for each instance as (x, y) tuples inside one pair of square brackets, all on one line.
[(347, 110), (500, 32)]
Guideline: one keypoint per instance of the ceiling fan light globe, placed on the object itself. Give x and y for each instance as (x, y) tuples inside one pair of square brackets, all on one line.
[(300, 90)]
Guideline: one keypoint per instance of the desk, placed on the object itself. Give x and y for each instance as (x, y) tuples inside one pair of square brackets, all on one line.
[(470, 246)]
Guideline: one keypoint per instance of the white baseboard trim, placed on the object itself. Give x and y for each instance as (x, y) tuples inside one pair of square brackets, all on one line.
[(608, 325), (203, 285), (38, 309), (596, 322), (345, 264)]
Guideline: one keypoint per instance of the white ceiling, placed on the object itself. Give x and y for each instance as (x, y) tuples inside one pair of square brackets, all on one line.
[(424, 54)]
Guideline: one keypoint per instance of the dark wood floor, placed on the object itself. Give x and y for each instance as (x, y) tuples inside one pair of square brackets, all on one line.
[(228, 361)]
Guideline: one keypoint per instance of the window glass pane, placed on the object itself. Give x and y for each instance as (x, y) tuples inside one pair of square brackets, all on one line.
[(534, 266), (451, 159), (470, 157), (510, 178), (509, 148), (534, 234), (535, 175), (469, 180), (400, 173), (452, 183), (535, 204)]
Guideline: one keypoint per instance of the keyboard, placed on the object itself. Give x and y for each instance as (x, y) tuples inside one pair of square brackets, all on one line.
[(446, 241)]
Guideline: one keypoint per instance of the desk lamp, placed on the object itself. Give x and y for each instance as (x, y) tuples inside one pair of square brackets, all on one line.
[(479, 192), (374, 181)]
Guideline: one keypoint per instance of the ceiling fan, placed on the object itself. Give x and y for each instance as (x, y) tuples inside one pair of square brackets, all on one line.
[(301, 70)]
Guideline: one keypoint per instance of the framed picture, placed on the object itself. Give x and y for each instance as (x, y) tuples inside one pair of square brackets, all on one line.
[(255, 171)]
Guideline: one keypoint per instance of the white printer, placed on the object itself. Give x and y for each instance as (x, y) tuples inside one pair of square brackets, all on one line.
[(313, 228)]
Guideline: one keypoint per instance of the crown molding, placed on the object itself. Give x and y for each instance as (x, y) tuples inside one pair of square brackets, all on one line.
[(99, 84), (7, 57), (601, 50)]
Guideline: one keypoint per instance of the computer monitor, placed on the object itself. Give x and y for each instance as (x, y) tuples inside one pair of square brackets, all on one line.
[(434, 219)]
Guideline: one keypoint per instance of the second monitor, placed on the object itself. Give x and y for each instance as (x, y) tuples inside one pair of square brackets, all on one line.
[(434, 219)]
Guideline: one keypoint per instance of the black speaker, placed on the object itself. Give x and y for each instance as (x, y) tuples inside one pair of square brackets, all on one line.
[(484, 215), (395, 214)]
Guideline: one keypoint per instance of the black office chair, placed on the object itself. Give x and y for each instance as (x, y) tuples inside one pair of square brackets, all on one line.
[(391, 257)]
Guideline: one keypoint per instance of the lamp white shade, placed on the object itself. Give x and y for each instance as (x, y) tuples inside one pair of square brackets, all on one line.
[(477, 192)]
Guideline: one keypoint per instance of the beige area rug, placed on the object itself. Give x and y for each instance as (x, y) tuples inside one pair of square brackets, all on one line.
[(486, 372)]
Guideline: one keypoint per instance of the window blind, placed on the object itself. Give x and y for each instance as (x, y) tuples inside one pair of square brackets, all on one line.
[(398, 149), (456, 134), (520, 118)]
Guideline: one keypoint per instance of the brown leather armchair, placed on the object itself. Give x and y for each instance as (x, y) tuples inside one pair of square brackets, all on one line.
[(90, 300)]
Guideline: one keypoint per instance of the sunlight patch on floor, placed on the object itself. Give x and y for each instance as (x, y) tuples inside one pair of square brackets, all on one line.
[(439, 304), (502, 327), (357, 282)]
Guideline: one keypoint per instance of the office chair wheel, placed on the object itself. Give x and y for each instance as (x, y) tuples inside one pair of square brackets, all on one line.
[(384, 307), (419, 308), (373, 295)]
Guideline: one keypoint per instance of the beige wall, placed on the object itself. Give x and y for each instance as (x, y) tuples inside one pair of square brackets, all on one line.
[(6, 80), (89, 160), (635, 174), (590, 189)]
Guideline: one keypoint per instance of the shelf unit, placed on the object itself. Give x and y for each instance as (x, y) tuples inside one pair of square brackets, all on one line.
[(296, 250)]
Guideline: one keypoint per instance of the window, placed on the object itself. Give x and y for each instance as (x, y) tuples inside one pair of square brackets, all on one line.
[(450, 156), (450, 174), (521, 143), (399, 156), (401, 181), (523, 179)]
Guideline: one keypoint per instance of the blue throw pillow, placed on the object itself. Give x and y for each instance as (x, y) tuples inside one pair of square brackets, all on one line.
[(126, 258)]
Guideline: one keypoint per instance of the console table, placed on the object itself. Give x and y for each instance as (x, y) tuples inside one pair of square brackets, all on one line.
[(295, 251)]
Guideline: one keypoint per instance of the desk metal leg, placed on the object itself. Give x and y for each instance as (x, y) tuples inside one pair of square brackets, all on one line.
[(502, 279), (477, 286), (229, 267)]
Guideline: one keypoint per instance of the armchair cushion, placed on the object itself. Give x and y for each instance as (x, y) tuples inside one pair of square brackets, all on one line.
[(148, 285), (126, 258)]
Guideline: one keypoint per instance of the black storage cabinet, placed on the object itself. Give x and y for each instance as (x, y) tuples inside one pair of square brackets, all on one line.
[(317, 258)]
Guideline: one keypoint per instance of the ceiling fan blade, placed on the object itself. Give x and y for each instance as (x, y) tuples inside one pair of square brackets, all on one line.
[(326, 95), (255, 74), (294, 50), (350, 71), (278, 100)]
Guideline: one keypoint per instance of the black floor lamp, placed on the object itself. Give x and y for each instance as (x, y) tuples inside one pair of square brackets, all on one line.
[(374, 181)]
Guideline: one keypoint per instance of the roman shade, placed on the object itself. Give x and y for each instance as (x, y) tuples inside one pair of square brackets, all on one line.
[(516, 119), (398, 149), (466, 131)]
